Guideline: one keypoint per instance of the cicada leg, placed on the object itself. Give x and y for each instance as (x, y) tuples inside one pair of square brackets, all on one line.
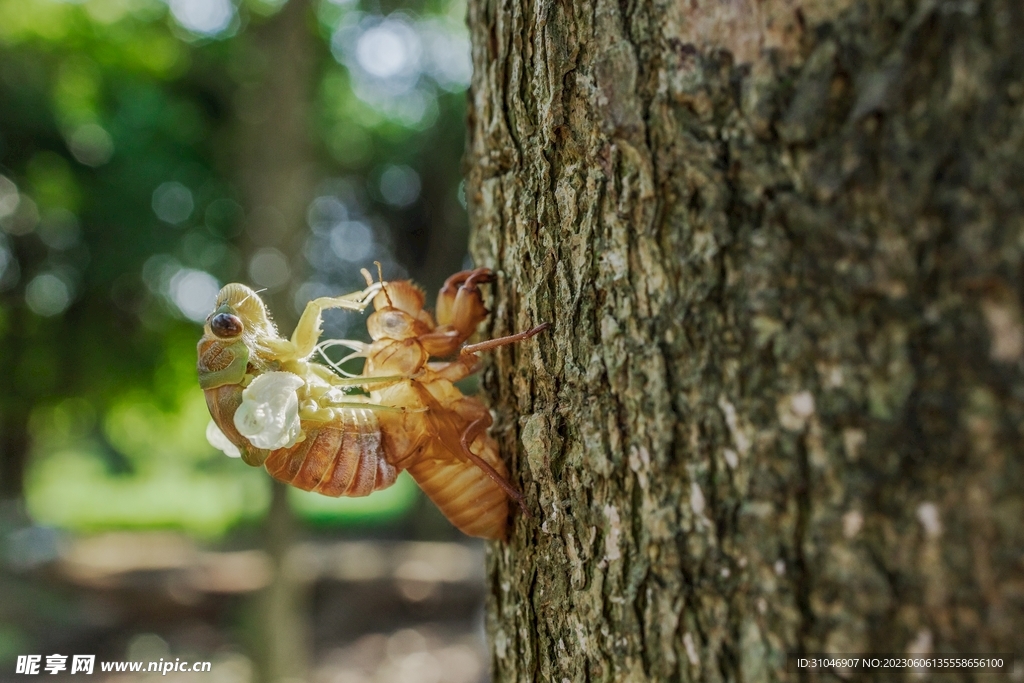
[(377, 407), (468, 437), (459, 303), (467, 363), (504, 341), (307, 332), (460, 308), (453, 371), (311, 411), (373, 379)]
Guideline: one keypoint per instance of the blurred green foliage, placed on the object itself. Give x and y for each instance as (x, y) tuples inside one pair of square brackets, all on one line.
[(120, 212)]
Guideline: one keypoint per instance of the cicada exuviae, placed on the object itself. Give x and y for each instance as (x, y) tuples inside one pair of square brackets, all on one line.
[(300, 420)]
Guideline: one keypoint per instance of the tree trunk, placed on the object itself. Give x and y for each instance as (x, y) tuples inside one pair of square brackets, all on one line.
[(275, 170), (781, 409), (14, 414), (14, 446), (276, 165)]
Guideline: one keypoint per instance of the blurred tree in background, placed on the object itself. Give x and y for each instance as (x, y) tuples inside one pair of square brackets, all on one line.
[(146, 161), (152, 151)]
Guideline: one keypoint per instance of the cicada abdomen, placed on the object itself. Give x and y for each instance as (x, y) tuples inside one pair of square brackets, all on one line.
[(344, 457)]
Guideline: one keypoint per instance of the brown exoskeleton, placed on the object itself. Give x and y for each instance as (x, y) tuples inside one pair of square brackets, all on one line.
[(291, 415)]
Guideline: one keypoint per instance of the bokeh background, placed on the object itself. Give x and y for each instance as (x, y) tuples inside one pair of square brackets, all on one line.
[(151, 151)]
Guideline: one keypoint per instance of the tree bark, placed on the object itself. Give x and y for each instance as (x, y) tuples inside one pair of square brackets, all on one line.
[(781, 408), (275, 169)]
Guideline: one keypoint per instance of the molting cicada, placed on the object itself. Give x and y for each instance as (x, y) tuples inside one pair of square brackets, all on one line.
[(278, 409)]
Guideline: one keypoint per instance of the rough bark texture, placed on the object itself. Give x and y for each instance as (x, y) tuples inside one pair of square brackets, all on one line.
[(782, 405)]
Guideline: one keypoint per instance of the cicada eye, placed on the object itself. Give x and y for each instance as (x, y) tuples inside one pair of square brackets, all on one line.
[(225, 325)]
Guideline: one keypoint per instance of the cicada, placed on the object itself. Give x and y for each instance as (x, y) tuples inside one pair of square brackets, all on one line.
[(316, 427)]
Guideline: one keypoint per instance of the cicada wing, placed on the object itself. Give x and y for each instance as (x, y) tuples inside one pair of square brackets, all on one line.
[(467, 496)]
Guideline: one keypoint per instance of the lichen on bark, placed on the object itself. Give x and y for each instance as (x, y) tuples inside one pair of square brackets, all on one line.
[(781, 407)]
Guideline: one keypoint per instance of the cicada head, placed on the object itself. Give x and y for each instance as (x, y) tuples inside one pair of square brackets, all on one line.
[(233, 336), (239, 312)]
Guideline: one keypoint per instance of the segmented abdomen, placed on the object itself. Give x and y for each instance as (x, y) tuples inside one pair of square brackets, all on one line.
[(344, 457), (341, 458)]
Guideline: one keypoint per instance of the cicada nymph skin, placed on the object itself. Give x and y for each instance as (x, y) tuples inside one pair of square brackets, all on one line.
[(291, 415)]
